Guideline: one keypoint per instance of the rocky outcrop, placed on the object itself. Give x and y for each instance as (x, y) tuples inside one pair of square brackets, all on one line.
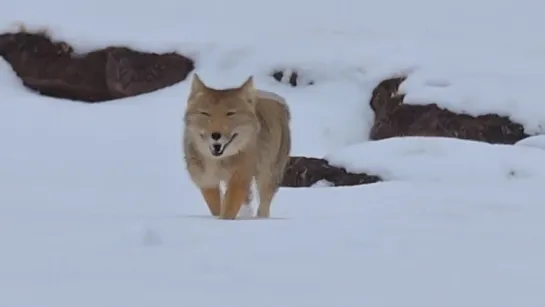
[(54, 69), (304, 172), (393, 118), (291, 77)]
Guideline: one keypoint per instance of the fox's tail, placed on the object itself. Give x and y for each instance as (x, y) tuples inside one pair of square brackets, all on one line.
[(285, 147)]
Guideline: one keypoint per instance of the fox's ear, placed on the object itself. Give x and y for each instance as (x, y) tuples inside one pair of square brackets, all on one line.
[(197, 86), (248, 85), (247, 89)]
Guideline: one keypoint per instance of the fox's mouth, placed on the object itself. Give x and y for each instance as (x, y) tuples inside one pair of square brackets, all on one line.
[(217, 149)]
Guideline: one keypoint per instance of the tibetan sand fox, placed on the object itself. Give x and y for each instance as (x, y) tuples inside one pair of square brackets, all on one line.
[(234, 135)]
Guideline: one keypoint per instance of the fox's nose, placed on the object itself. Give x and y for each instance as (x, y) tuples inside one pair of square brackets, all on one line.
[(215, 136)]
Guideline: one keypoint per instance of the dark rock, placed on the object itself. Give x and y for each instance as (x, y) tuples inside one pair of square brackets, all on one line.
[(304, 172), (293, 80), (53, 69), (393, 118), (130, 73)]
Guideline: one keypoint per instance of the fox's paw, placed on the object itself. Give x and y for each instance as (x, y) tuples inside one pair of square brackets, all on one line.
[(225, 217), (263, 214)]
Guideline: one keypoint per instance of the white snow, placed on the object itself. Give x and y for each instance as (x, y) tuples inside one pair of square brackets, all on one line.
[(96, 208), (536, 141), (441, 160)]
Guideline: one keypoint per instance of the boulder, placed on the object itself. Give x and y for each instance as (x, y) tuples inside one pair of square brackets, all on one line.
[(53, 69), (291, 77), (393, 118), (305, 172)]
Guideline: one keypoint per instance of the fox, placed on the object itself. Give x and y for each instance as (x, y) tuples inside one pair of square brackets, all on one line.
[(235, 135)]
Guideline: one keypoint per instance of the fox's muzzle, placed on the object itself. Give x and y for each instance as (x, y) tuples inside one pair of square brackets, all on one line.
[(217, 149)]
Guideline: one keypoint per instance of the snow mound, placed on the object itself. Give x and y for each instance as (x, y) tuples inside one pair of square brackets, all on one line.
[(441, 159), (537, 141)]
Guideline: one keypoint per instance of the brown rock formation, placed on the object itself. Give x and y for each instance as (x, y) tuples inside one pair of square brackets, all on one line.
[(304, 172), (53, 69), (393, 118)]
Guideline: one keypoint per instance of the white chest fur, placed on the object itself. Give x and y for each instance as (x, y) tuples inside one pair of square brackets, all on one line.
[(212, 174)]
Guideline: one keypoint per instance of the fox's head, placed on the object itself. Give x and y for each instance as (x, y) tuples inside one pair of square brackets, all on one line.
[(221, 122)]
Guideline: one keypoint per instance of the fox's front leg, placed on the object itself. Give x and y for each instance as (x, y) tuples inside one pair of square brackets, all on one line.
[(237, 193), (212, 197)]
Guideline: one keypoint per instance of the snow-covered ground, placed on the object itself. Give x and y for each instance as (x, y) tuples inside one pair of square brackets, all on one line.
[(442, 160), (96, 208)]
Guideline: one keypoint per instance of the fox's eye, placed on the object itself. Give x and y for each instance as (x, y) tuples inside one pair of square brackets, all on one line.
[(204, 113), (230, 113)]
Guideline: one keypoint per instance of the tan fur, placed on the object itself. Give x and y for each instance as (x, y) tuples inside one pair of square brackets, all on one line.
[(256, 126)]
